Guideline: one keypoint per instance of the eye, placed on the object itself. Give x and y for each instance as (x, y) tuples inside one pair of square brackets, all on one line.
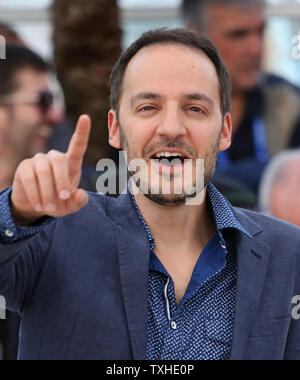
[(238, 34), (196, 109), (146, 109)]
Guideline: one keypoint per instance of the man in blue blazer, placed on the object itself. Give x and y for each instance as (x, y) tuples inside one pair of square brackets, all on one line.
[(168, 275)]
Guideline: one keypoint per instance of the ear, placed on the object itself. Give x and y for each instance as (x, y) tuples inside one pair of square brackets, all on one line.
[(113, 129), (4, 124), (226, 136)]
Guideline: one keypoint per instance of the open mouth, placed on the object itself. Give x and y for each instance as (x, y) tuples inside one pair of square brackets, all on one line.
[(168, 159), (45, 131)]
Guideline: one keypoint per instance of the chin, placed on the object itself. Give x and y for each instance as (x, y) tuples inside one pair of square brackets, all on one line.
[(178, 197), (39, 146), (167, 200)]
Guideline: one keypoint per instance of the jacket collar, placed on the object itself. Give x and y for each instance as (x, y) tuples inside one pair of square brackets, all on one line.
[(224, 215)]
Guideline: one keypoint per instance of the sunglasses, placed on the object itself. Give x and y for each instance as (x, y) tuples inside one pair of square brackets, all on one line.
[(44, 100)]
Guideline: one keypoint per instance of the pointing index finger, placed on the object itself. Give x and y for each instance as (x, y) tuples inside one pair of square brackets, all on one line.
[(78, 144)]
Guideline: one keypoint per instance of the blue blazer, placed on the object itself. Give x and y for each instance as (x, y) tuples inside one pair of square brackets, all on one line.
[(81, 286)]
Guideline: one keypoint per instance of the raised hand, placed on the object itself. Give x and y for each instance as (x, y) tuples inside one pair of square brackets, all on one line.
[(47, 184)]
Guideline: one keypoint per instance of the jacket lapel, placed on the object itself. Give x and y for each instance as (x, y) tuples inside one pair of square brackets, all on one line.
[(253, 256), (134, 256)]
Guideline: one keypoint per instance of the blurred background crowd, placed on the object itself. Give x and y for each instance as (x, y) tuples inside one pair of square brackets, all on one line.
[(57, 62)]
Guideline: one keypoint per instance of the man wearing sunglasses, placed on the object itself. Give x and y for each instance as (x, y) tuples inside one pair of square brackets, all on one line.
[(27, 115), (27, 111)]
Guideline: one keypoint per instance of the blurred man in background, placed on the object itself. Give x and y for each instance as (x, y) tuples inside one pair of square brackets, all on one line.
[(265, 108), (280, 187), (27, 116), (27, 113)]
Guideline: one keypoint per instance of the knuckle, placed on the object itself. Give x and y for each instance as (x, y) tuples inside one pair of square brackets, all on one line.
[(24, 172), (24, 165), (39, 157), (54, 154), (57, 158)]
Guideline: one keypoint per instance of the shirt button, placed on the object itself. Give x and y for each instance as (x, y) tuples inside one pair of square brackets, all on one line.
[(174, 325), (9, 233), (223, 245)]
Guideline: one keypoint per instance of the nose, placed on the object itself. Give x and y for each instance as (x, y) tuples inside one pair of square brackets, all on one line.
[(255, 44), (171, 125), (54, 115)]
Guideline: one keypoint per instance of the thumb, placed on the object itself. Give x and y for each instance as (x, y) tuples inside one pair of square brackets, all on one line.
[(78, 200), (81, 197)]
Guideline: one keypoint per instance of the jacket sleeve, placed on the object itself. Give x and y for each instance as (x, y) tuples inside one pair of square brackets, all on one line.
[(23, 251), (9, 232)]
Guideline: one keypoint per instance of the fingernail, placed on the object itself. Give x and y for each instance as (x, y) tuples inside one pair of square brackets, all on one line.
[(39, 208), (50, 207), (64, 195)]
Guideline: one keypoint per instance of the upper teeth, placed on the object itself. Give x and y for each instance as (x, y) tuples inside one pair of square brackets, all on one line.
[(167, 154)]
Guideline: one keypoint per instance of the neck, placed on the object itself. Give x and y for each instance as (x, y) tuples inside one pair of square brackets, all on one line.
[(182, 228), (239, 103)]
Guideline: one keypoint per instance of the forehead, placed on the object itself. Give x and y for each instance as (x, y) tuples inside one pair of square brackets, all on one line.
[(31, 80), (171, 68), (236, 16), (292, 168)]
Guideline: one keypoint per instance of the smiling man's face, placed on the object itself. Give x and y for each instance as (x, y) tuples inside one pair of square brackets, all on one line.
[(170, 107)]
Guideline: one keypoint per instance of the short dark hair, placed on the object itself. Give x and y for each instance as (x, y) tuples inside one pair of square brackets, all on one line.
[(193, 11), (18, 58), (174, 36)]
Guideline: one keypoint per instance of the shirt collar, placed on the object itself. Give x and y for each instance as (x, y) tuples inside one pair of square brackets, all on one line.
[(223, 215)]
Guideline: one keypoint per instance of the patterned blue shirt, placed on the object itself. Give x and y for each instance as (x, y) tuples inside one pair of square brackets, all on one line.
[(201, 326)]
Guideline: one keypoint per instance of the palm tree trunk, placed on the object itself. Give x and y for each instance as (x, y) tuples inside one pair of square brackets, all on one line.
[(87, 43)]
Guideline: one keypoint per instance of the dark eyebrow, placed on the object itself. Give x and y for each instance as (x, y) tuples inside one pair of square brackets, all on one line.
[(144, 96), (201, 98), (152, 95)]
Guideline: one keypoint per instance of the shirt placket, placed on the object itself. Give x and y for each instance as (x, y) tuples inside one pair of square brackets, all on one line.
[(174, 333)]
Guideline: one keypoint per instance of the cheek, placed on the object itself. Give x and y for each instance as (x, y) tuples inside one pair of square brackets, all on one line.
[(232, 54), (28, 115), (3, 123), (139, 135), (206, 136)]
